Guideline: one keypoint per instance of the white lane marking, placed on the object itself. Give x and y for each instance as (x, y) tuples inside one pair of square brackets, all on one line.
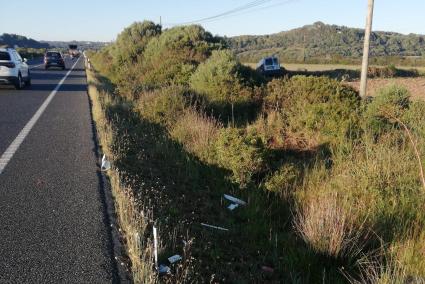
[(13, 147)]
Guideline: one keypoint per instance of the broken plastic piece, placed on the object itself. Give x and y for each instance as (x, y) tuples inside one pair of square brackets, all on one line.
[(163, 269), (106, 165), (232, 206), (234, 199), (174, 258), (214, 227)]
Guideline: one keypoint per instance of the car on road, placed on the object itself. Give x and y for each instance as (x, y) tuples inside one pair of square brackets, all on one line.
[(13, 69), (53, 59)]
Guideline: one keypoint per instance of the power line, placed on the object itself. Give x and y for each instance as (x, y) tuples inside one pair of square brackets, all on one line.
[(233, 12)]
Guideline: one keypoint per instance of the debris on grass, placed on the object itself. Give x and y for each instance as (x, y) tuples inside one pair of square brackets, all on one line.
[(174, 258), (106, 165), (232, 206), (214, 227), (234, 199), (267, 269), (163, 269)]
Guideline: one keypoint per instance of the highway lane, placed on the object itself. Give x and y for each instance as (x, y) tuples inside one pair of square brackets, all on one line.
[(54, 226)]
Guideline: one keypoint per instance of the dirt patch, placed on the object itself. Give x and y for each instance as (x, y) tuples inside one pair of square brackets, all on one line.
[(416, 86)]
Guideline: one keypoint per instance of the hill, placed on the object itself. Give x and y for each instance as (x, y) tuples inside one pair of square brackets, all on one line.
[(21, 41), (81, 44), (320, 40)]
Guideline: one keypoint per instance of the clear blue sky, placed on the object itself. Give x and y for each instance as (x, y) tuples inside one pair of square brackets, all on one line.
[(101, 20)]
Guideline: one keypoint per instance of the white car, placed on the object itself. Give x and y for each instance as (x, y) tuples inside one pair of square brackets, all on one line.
[(13, 69)]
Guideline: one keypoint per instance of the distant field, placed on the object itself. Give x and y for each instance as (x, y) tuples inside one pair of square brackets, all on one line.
[(416, 86), (328, 67)]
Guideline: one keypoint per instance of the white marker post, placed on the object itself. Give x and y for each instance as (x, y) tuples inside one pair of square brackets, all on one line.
[(155, 247)]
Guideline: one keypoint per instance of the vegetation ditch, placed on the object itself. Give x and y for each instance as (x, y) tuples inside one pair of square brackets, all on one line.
[(333, 183)]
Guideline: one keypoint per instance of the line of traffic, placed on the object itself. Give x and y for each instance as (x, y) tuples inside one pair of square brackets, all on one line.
[(13, 147)]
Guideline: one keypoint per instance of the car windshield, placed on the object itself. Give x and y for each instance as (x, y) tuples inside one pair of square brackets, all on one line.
[(275, 62), (269, 61), (53, 54), (4, 55)]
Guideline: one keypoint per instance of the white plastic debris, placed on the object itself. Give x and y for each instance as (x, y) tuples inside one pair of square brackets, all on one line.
[(174, 258), (106, 165), (163, 269), (234, 199), (214, 227), (232, 206)]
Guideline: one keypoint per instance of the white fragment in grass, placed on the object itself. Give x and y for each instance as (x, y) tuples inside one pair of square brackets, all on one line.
[(106, 165), (234, 199), (155, 247), (163, 269), (232, 207), (214, 227), (174, 258)]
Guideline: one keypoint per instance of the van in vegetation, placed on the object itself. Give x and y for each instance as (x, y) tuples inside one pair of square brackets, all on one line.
[(269, 66)]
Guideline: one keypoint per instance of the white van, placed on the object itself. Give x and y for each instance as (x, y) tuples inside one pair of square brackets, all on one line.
[(269, 65)]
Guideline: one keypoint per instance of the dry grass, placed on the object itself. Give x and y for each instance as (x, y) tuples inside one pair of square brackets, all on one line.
[(416, 86), (197, 132), (327, 227), (132, 219)]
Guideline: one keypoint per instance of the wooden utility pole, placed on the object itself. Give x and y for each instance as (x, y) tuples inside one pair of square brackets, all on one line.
[(365, 63)]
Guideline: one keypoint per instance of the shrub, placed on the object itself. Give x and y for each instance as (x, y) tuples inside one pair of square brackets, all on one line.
[(271, 128), (316, 109), (163, 106), (241, 153), (283, 181), (390, 102), (226, 84), (131, 42), (172, 57)]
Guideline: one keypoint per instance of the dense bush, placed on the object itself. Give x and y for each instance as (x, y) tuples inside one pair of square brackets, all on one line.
[(391, 102), (241, 153), (315, 109), (172, 57), (162, 106), (283, 182)]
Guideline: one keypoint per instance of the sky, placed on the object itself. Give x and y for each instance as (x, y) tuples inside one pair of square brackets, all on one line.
[(97, 20)]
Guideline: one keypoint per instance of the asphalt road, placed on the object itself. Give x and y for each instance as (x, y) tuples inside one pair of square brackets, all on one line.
[(54, 226)]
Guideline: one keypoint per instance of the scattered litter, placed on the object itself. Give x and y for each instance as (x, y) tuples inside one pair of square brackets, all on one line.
[(163, 269), (234, 199), (106, 165), (214, 227), (267, 269), (155, 247), (174, 258), (232, 206)]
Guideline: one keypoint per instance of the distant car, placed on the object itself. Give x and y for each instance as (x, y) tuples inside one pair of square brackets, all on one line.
[(269, 66), (53, 59), (13, 69)]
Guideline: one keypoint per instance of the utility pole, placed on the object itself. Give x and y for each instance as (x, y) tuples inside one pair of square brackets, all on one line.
[(365, 63), (160, 21)]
